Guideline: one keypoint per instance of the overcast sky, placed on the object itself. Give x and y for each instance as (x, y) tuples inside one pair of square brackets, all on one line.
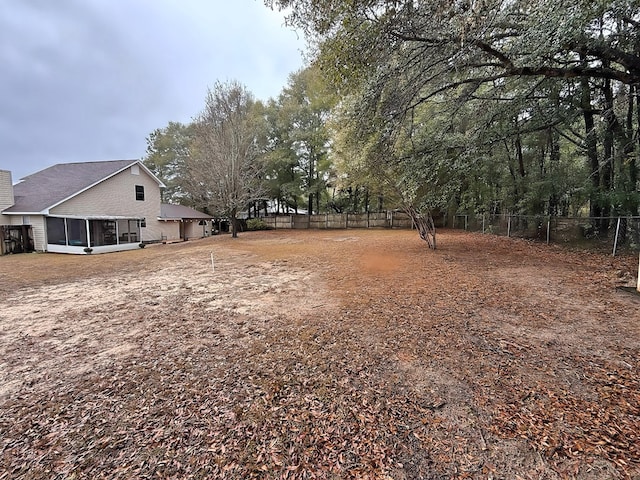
[(85, 80)]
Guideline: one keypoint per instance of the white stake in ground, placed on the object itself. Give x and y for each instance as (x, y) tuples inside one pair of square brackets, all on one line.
[(638, 286), (213, 268)]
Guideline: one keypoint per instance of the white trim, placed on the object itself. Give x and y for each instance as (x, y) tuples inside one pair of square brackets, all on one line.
[(97, 217), (53, 248), (23, 213)]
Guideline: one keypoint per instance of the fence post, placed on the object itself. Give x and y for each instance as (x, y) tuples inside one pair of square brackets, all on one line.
[(508, 225), (466, 222), (346, 220), (483, 223), (548, 230), (615, 241)]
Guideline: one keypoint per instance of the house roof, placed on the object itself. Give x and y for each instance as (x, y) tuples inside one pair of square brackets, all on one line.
[(180, 212), (40, 191)]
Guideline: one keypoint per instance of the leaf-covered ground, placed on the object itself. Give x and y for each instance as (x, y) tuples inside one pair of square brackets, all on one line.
[(321, 354)]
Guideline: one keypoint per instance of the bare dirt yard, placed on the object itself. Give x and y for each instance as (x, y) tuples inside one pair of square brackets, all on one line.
[(321, 354)]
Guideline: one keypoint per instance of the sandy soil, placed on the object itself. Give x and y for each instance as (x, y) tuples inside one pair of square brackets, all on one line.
[(335, 354)]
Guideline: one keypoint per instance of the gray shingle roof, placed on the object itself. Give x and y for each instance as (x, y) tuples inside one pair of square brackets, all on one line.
[(172, 212), (48, 187)]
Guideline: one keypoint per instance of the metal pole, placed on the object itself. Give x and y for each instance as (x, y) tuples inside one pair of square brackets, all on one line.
[(615, 241), (509, 226), (466, 222)]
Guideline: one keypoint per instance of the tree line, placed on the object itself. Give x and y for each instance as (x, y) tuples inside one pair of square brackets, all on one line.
[(527, 107)]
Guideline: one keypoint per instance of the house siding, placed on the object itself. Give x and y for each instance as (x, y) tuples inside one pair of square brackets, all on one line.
[(38, 227), (193, 230), (116, 196), (171, 230), (6, 191)]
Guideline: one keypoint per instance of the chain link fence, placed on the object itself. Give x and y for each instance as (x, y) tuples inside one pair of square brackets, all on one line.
[(606, 234)]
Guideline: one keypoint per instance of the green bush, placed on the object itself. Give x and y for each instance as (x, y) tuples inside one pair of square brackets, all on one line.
[(256, 224)]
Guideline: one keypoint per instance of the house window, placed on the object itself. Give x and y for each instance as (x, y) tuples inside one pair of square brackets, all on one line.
[(56, 232), (140, 192)]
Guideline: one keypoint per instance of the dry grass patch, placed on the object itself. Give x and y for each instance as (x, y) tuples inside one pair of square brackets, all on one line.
[(320, 354)]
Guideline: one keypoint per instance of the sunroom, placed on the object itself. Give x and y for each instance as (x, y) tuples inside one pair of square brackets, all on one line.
[(95, 234)]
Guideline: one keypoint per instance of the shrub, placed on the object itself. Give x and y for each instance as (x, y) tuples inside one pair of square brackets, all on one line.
[(256, 224)]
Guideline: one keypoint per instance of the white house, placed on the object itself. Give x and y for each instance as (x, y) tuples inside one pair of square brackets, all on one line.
[(91, 207)]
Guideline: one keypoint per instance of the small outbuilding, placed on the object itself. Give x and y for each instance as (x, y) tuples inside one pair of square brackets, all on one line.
[(184, 222)]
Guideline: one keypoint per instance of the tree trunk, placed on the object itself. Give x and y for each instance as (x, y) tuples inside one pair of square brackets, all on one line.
[(356, 200), (554, 160), (234, 224), (424, 224), (633, 170), (633, 151), (592, 148), (520, 155), (311, 181), (609, 153)]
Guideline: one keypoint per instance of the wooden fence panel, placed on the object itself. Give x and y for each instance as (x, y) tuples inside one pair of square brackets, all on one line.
[(341, 220)]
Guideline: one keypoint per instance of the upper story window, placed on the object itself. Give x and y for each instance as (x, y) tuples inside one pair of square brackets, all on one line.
[(139, 192)]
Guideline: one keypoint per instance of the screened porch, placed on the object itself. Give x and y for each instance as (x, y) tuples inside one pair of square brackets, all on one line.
[(93, 234)]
